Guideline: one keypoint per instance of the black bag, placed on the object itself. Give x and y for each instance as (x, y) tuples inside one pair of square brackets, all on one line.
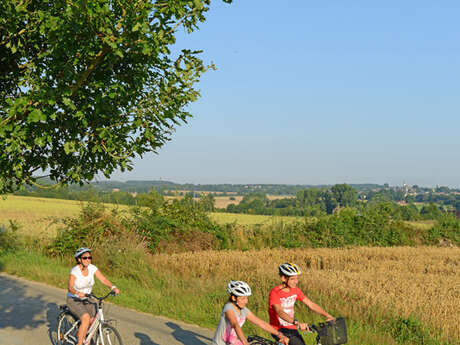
[(332, 332)]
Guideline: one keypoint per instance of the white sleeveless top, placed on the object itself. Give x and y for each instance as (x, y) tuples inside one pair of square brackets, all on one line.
[(82, 284)]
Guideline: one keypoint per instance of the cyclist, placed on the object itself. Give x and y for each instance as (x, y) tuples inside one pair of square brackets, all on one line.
[(81, 281), (235, 313), (281, 305)]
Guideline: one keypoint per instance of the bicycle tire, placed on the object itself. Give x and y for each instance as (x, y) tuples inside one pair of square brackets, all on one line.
[(110, 335), (65, 323)]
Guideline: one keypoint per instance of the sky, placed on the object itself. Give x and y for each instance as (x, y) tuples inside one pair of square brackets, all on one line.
[(320, 92)]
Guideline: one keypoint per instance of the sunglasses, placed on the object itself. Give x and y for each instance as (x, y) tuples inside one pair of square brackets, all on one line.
[(86, 257)]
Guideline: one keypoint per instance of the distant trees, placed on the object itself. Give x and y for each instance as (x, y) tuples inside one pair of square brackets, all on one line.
[(308, 202)]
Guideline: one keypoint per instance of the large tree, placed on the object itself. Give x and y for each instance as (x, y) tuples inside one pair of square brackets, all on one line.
[(86, 85)]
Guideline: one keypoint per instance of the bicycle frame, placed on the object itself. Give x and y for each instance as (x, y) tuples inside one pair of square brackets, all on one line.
[(96, 327)]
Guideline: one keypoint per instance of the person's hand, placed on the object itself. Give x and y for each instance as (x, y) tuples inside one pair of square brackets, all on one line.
[(330, 318), (283, 340), (303, 327), (81, 295), (116, 291)]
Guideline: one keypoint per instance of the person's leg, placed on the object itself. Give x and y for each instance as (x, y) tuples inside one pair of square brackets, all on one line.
[(85, 318), (78, 308), (90, 308)]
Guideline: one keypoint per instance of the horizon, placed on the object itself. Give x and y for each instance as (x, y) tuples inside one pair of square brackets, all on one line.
[(320, 93), (281, 184)]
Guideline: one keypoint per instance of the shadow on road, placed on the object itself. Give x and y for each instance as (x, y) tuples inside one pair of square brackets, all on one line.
[(144, 338), (52, 312), (18, 310), (187, 337)]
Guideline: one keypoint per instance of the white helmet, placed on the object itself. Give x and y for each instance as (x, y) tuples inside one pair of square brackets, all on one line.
[(238, 288), (289, 269), (81, 251)]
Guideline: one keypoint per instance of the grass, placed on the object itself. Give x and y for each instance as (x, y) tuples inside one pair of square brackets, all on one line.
[(421, 224), (389, 296)]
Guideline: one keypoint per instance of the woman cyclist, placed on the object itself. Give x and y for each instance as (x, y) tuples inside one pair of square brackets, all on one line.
[(235, 313), (81, 281), (281, 305)]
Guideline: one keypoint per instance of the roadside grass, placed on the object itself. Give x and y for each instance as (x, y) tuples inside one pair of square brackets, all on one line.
[(399, 295)]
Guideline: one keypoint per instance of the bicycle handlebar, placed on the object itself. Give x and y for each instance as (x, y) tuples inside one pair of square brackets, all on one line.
[(111, 293)]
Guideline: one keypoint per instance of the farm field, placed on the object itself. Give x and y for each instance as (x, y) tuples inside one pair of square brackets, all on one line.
[(409, 283), (249, 219), (219, 201), (38, 215)]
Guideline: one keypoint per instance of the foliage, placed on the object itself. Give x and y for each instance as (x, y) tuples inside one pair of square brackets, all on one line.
[(9, 240), (181, 223), (93, 228), (447, 227), (85, 86)]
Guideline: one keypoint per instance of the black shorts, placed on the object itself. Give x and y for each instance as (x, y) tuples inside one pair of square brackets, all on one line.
[(294, 336)]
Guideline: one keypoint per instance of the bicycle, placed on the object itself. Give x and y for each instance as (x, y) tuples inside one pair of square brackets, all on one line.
[(328, 333), (100, 331)]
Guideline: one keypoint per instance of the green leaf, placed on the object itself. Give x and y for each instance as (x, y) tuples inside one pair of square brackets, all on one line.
[(69, 147), (136, 27), (36, 116)]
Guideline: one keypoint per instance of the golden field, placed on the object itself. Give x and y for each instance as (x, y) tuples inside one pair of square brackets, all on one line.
[(423, 282), (38, 215)]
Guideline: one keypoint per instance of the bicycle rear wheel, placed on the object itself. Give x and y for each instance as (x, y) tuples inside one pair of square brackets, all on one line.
[(67, 329), (109, 336)]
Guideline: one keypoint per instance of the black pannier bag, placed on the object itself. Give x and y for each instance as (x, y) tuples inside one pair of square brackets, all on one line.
[(332, 332)]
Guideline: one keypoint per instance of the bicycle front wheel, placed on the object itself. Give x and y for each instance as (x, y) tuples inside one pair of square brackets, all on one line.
[(108, 336), (67, 329)]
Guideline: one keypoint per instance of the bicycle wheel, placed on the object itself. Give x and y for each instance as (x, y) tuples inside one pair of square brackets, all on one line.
[(108, 336), (67, 329)]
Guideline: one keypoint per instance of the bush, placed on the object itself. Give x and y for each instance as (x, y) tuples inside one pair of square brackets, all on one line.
[(92, 228), (9, 240), (447, 227)]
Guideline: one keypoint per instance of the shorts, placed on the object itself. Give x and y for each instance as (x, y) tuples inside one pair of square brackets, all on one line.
[(294, 336), (80, 307)]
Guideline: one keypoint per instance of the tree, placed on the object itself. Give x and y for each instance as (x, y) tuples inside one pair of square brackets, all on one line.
[(85, 86), (344, 194)]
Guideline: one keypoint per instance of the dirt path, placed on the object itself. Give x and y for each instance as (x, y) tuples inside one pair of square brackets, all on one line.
[(28, 313)]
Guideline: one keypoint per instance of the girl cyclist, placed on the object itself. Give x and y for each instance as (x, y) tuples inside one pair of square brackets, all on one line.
[(281, 305), (235, 313), (81, 281)]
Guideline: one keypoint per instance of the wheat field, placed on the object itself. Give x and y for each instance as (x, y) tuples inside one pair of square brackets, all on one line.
[(423, 281)]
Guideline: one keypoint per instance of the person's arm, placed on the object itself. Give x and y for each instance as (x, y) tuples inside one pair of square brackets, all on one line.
[(317, 309), (71, 289), (290, 319), (230, 315), (267, 327), (106, 282)]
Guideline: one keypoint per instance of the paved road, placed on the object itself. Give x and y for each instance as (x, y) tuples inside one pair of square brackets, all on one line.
[(28, 313)]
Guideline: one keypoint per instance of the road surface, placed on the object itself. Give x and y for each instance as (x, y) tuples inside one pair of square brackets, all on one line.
[(28, 314)]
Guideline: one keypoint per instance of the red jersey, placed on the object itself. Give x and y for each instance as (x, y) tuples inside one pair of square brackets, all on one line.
[(287, 301)]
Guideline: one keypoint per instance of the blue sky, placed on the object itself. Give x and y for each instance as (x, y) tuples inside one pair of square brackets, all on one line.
[(321, 92)]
